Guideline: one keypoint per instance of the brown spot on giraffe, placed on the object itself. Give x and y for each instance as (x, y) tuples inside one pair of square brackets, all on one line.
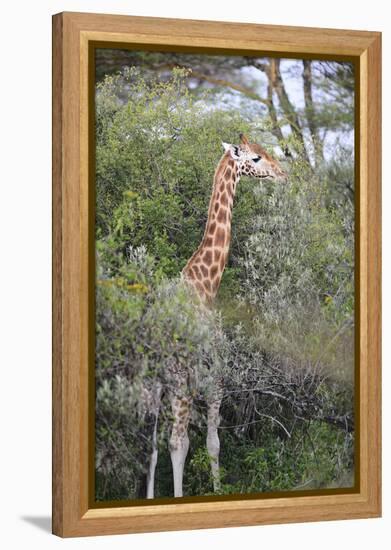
[(224, 199), (222, 215), (208, 241), (220, 237), (205, 270), (212, 228), (217, 255), (190, 272), (213, 271), (207, 257)]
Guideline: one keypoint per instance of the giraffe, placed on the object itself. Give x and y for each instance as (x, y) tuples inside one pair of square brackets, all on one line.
[(203, 272)]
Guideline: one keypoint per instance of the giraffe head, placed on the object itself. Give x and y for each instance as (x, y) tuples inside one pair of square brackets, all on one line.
[(253, 160)]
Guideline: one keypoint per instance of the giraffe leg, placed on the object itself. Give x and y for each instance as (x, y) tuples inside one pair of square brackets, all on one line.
[(154, 454), (153, 462), (213, 441), (179, 440)]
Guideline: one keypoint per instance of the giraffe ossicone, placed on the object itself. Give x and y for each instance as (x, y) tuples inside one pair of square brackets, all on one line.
[(203, 272)]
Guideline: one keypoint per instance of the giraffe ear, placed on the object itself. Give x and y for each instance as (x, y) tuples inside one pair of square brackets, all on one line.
[(233, 150)]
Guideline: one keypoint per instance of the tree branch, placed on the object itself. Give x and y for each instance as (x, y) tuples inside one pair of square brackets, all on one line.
[(227, 84), (310, 111)]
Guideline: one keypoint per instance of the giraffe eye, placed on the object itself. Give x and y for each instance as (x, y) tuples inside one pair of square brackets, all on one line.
[(257, 159)]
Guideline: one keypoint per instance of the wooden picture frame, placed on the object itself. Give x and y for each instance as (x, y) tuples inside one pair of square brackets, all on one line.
[(73, 33)]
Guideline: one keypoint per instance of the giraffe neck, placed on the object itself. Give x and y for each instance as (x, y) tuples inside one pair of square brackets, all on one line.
[(205, 268)]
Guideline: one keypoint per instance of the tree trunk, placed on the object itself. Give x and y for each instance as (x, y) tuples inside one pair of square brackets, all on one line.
[(310, 111), (292, 118)]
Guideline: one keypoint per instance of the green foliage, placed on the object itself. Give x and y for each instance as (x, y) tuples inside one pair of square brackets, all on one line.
[(314, 457), (281, 334), (156, 156), (298, 265), (199, 476), (142, 324)]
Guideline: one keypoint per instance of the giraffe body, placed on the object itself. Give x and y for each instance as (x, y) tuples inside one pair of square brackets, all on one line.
[(203, 272)]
